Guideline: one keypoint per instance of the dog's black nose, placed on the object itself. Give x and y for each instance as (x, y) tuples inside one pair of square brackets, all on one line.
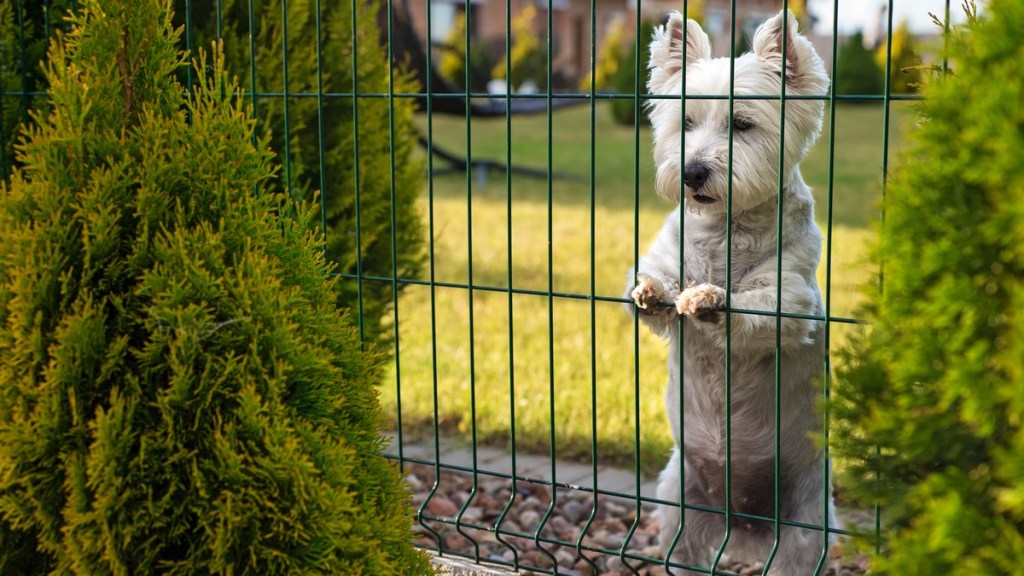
[(695, 175)]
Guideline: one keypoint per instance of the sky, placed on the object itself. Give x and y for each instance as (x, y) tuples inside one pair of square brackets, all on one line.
[(859, 14)]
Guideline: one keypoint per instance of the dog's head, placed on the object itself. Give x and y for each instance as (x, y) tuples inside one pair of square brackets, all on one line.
[(756, 124)]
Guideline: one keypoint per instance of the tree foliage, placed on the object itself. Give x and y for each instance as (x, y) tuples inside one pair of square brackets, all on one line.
[(609, 56), (454, 60), (527, 58), (389, 173), (178, 391), (930, 400), (857, 72), (905, 68), (625, 79)]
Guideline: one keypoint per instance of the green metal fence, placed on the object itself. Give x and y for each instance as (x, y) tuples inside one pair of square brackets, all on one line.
[(463, 532)]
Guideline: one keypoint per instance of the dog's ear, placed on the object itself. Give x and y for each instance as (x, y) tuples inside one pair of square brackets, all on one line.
[(667, 49), (804, 69)]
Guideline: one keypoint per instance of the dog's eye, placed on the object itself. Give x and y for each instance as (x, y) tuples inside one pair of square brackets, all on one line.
[(688, 124), (741, 124)]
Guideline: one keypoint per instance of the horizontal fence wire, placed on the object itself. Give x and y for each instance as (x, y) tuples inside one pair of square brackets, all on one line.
[(580, 296), (327, 95)]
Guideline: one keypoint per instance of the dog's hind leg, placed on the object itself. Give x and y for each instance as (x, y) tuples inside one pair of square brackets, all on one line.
[(701, 531), (801, 550)]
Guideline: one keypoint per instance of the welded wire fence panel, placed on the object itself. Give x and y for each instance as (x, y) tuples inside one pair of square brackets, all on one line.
[(524, 405), (542, 500), (555, 513)]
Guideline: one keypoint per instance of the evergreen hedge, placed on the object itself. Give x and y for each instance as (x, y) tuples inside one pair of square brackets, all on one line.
[(178, 391), (929, 406), (390, 170)]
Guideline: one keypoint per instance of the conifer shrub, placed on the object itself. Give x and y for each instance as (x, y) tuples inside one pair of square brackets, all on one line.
[(179, 393), (390, 170), (625, 81), (929, 407), (857, 72)]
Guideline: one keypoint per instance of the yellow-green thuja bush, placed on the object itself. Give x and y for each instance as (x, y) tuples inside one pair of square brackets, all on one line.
[(179, 393), (318, 141), (930, 409)]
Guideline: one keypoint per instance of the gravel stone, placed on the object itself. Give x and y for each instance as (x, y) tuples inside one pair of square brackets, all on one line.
[(571, 511)]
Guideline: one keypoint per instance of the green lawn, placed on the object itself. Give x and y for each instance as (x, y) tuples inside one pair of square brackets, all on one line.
[(572, 363)]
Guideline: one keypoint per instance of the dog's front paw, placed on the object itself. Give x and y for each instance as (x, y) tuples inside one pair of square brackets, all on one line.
[(648, 293), (705, 302)]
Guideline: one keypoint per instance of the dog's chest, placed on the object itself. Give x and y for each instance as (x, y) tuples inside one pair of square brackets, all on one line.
[(705, 254)]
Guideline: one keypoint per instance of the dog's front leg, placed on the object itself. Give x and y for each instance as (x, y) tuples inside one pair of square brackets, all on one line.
[(752, 309), (652, 297), (655, 284), (759, 293)]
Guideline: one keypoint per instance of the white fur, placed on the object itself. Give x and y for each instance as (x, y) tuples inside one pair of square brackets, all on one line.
[(701, 295)]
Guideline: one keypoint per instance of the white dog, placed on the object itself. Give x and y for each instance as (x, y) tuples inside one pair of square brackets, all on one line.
[(701, 292)]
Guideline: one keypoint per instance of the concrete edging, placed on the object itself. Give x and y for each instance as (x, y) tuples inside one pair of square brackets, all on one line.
[(460, 567)]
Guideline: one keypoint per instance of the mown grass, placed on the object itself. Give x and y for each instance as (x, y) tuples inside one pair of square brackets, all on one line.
[(571, 371)]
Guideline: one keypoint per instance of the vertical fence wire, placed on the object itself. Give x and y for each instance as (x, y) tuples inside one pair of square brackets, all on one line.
[(470, 290), (188, 40), (3, 124), (321, 163), (252, 67), (511, 304), (636, 239), (23, 61), (680, 325), (549, 51), (886, 106), (592, 105), (218, 6), (826, 484), (394, 226), (356, 178), (421, 517), (284, 100), (728, 298), (780, 206), (638, 83)]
